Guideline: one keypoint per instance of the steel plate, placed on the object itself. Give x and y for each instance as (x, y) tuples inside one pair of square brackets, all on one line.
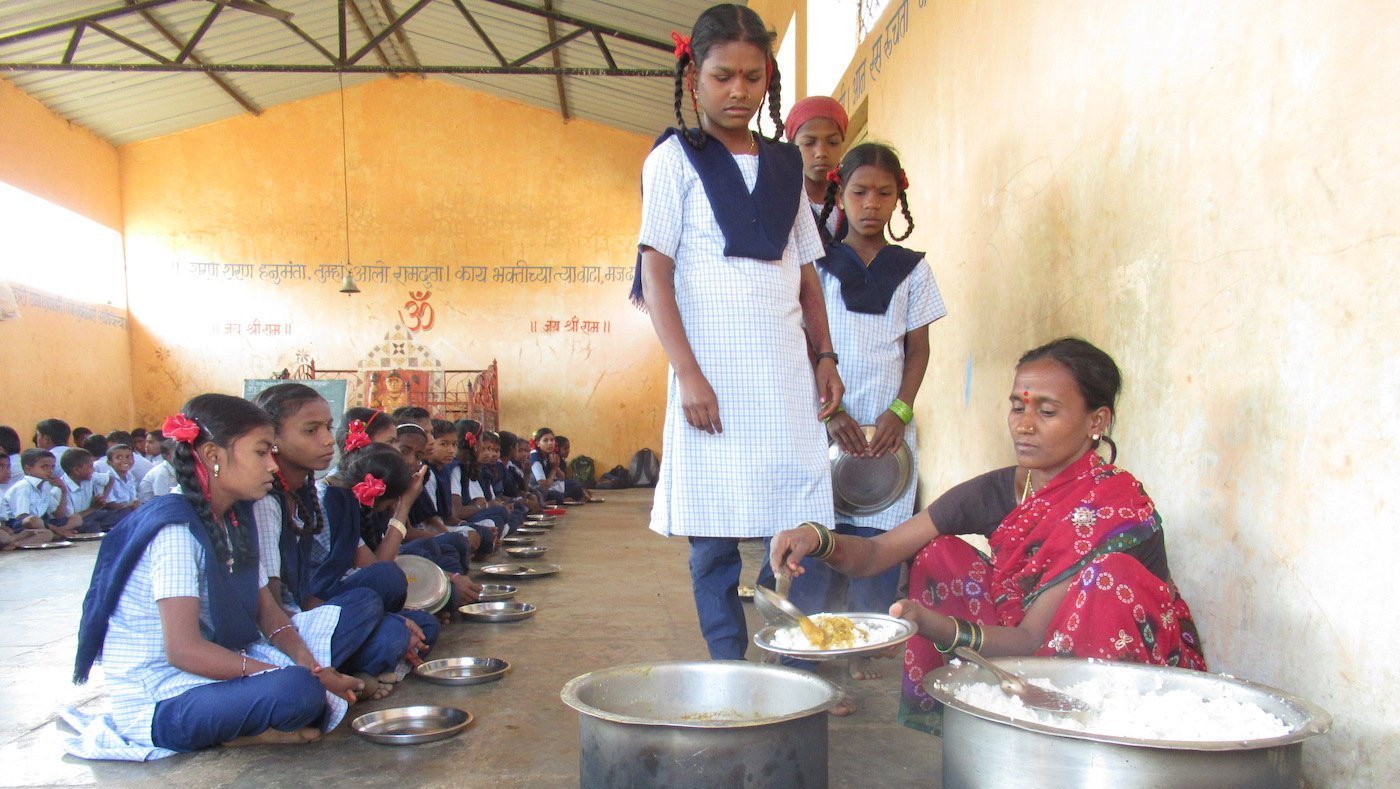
[(463, 670), (508, 611), (866, 486), (764, 638), (411, 725), (427, 583)]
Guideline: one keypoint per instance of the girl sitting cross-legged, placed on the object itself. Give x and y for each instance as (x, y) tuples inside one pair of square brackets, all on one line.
[(195, 650)]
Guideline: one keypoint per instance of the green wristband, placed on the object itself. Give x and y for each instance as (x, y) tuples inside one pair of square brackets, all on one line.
[(902, 410), (840, 409)]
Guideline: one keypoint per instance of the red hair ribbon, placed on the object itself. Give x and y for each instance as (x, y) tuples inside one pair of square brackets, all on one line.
[(357, 437), (834, 176), (181, 428), (368, 490), (682, 45), (903, 182), (470, 438)]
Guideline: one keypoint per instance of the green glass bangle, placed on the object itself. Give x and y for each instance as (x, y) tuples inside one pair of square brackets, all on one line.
[(840, 409), (902, 410)]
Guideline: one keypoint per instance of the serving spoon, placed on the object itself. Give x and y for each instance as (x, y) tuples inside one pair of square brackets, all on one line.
[(778, 610), (1031, 695)]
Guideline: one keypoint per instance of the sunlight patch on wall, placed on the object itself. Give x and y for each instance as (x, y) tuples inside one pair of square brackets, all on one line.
[(56, 250)]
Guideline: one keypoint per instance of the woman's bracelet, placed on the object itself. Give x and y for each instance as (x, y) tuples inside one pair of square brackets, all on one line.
[(243, 653), (826, 543), (902, 410), (965, 634), (279, 630)]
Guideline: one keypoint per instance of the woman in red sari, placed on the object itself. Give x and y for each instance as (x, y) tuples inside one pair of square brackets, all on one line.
[(1078, 564)]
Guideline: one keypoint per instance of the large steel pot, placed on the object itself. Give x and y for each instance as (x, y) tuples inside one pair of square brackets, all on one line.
[(714, 723), (986, 750)]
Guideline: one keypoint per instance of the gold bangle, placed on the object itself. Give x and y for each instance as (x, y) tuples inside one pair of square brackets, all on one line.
[(957, 637), (825, 542)]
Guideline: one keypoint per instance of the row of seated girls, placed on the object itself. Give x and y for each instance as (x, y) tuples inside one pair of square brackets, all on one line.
[(273, 601)]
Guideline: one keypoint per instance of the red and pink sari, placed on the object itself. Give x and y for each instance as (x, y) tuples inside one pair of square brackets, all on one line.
[(1074, 529)]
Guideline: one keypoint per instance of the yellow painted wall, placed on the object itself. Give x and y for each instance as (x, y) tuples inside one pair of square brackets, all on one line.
[(1207, 191), (61, 358), (438, 176)]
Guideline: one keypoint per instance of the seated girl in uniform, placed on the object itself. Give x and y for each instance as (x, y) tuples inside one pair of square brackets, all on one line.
[(194, 649)]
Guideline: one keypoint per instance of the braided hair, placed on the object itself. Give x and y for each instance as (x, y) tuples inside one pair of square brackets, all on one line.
[(469, 432), (281, 402), (384, 463), (722, 24), (222, 419), (867, 154)]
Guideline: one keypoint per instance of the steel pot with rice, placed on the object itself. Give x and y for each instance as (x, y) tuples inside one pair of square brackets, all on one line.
[(1152, 726), (712, 723)]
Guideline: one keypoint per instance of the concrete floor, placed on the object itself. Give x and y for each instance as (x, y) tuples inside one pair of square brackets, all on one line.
[(623, 597)]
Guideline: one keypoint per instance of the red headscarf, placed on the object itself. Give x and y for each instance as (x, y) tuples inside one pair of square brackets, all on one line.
[(815, 107)]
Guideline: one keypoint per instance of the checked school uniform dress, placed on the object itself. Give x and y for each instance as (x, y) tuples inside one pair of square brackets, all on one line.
[(768, 469), (870, 341)]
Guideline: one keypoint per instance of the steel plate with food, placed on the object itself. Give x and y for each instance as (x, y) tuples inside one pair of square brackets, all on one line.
[(841, 635), (497, 612), (519, 570), (866, 486), (411, 725), (463, 670)]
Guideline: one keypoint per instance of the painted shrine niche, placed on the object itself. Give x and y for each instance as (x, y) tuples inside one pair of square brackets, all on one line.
[(399, 371)]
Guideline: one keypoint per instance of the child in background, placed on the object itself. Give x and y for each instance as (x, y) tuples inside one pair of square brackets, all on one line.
[(513, 479), (817, 125), (880, 300), (9, 444), (724, 271), (86, 488), (42, 495), (491, 476), (140, 465), (80, 436), (16, 531), (573, 489), (468, 499), (154, 447), (441, 457), (53, 435), (522, 477), (544, 465), (370, 426), (161, 479), (97, 446), (428, 535), (121, 493)]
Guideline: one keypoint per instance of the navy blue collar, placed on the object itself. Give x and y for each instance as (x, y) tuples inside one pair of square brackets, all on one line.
[(233, 595), (755, 224), (868, 289)]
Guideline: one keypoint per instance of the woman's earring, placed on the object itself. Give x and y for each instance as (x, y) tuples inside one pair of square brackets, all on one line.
[(1094, 437), (275, 450), (216, 469)]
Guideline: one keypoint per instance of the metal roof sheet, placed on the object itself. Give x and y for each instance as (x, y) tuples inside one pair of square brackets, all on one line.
[(128, 106)]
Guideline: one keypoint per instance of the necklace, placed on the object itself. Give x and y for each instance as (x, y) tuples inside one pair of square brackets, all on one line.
[(1028, 490), (228, 539), (753, 142)]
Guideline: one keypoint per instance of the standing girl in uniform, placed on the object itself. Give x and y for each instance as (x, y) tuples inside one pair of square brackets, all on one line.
[(195, 650), (880, 300), (726, 245)]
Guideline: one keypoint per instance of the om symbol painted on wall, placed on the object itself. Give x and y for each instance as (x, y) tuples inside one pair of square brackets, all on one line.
[(420, 313)]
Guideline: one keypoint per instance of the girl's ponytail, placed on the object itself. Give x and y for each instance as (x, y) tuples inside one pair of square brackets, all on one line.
[(775, 100), (833, 186)]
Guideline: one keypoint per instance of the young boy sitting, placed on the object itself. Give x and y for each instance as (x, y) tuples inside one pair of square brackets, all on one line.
[(86, 492), (121, 493), (15, 532), (161, 479), (40, 500)]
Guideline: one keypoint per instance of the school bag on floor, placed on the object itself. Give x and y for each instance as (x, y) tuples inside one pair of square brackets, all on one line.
[(645, 468), (581, 468), (617, 478)]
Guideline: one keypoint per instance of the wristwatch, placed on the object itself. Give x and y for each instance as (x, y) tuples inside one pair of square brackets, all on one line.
[(829, 355)]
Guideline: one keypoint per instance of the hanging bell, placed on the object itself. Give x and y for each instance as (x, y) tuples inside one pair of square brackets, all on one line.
[(348, 286)]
